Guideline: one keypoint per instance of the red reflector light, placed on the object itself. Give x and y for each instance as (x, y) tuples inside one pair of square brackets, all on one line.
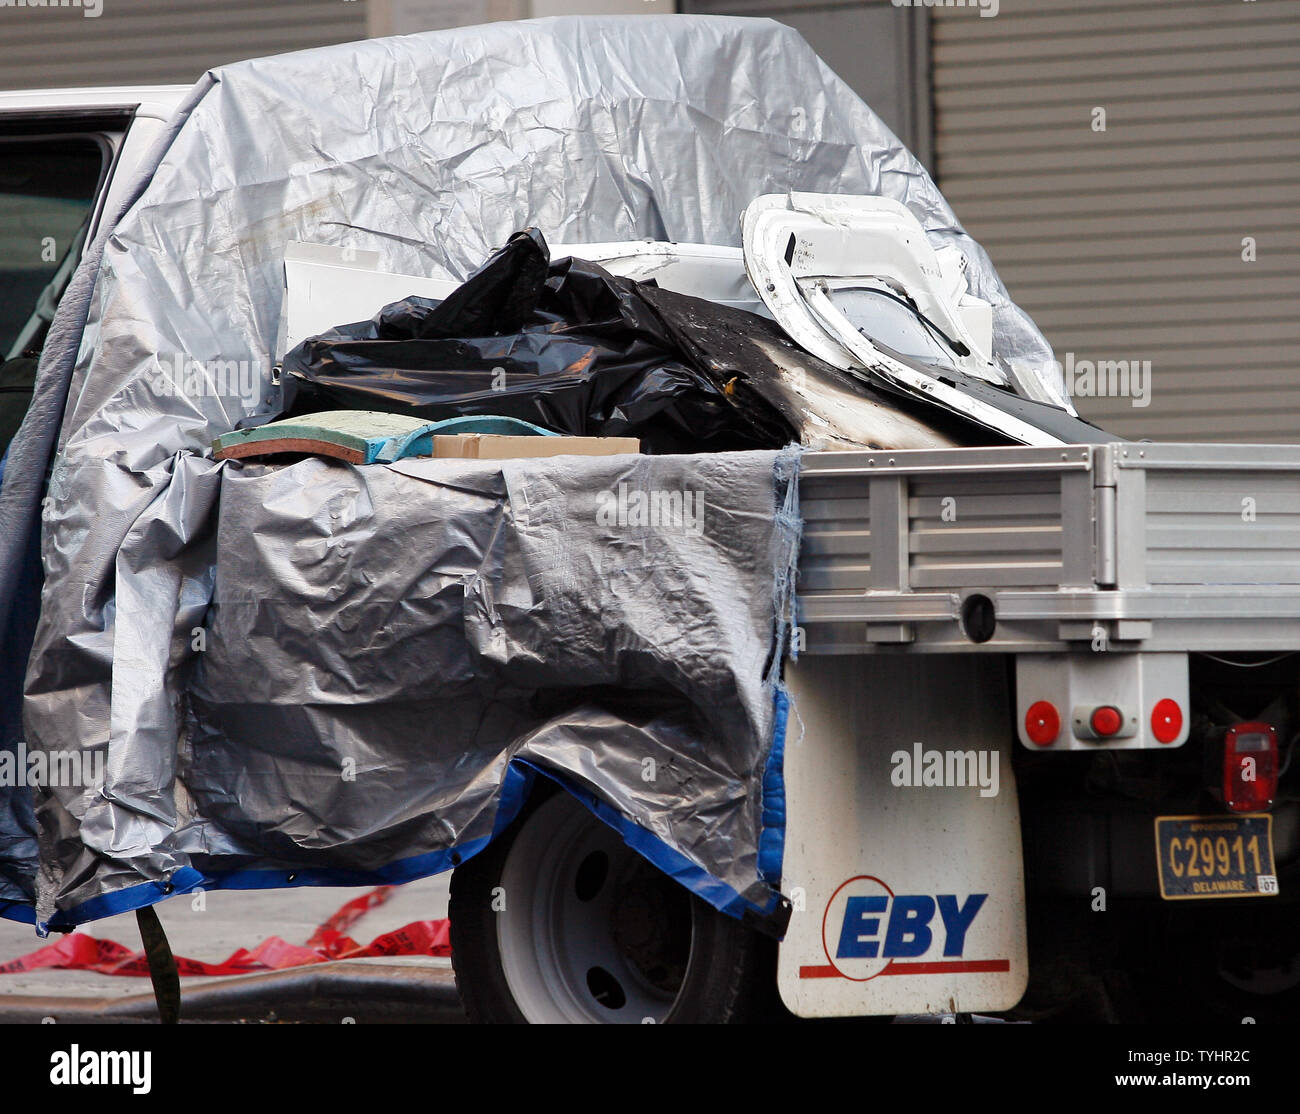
[(1042, 723), (1107, 721), (1166, 720), (1250, 767)]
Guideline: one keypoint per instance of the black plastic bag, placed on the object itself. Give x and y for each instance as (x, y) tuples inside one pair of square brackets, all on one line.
[(565, 345)]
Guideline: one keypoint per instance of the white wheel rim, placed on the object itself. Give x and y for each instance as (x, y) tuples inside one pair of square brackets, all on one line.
[(582, 944)]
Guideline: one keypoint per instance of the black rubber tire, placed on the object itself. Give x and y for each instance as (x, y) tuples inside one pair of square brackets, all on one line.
[(730, 978)]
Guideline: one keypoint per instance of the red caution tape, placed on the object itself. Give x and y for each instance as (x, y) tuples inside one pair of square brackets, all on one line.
[(79, 952)]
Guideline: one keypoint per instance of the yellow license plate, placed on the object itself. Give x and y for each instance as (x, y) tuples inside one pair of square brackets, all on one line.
[(1215, 856)]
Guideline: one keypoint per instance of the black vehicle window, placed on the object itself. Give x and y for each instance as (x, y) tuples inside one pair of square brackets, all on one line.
[(47, 195), (47, 189)]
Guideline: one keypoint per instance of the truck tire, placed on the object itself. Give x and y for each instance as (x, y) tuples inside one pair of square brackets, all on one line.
[(559, 921)]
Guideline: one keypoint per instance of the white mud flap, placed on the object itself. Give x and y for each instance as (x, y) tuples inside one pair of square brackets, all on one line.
[(902, 856)]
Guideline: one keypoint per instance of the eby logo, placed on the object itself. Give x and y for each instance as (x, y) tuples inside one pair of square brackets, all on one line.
[(868, 930)]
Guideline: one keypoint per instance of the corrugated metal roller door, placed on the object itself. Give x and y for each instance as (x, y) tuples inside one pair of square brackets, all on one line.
[(136, 42), (1127, 244)]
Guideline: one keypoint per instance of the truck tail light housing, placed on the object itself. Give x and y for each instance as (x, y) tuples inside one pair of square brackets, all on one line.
[(1042, 723), (1250, 767)]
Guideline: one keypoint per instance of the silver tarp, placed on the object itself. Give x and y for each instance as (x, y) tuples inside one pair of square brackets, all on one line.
[(232, 637)]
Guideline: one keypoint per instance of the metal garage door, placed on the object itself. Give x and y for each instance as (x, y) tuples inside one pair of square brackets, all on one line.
[(134, 42), (1127, 244)]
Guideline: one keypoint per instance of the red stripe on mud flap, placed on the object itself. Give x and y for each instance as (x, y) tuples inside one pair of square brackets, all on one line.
[(949, 967), (953, 967)]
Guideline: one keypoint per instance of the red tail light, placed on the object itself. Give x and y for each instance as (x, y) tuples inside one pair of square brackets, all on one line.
[(1042, 723), (1107, 721), (1250, 767)]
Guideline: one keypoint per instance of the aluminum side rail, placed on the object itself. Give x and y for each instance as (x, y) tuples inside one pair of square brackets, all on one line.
[(1123, 546)]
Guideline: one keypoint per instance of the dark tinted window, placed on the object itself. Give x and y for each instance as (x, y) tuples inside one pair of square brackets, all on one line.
[(47, 194), (47, 189)]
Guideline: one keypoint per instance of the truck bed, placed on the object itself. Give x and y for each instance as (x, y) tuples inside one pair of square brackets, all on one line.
[(1138, 546)]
